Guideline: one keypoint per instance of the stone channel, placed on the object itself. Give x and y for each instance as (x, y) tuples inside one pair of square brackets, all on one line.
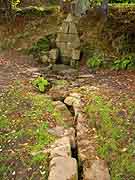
[(73, 156)]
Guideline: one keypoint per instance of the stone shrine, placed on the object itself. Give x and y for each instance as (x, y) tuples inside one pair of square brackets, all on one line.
[(68, 42)]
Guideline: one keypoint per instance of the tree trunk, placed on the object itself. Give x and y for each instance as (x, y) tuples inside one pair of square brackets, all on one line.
[(6, 5)]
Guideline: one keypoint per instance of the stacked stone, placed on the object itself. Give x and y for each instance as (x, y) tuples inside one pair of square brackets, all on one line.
[(94, 168), (68, 42), (62, 165)]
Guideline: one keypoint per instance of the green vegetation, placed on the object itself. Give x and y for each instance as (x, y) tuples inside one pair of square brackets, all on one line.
[(34, 11), (41, 46), (122, 1), (40, 83), (14, 3), (95, 62), (115, 134), (43, 138), (24, 121), (124, 63)]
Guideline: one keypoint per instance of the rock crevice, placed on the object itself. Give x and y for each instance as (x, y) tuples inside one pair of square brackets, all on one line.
[(73, 156)]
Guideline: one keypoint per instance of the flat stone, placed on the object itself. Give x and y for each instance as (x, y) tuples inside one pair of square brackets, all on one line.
[(63, 168), (62, 92), (77, 95), (66, 115), (61, 148), (98, 170), (72, 101), (86, 76), (60, 67), (64, 70)]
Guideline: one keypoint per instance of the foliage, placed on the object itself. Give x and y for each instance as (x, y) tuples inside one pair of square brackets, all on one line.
[(14, 3), (40, 83), (24, 126), (95, 62), (42, 137), (41, 45), (122, 1), (112, 132), (124, 63), (32, 11)]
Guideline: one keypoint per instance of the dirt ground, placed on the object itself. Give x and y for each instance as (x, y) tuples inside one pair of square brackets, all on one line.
[(24, 107)]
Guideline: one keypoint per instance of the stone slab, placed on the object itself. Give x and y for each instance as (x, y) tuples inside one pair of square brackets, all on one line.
[(62, 168)]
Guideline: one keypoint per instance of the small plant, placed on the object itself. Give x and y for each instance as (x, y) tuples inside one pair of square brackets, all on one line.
[(40, 83), (123, 63), (95, 62)]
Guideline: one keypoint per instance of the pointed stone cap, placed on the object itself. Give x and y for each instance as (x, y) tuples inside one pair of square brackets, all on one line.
[(69, 18), (64, 28)]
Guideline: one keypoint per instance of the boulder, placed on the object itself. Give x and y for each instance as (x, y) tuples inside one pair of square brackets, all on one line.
[(63, 168)]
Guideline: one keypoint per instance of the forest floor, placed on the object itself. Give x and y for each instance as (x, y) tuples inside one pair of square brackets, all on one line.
[(26, 115)]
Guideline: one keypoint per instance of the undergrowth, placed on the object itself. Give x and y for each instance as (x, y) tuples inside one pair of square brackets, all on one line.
[(115, 135), (42, 45), (24, 121), (127, 62), (95, 62)]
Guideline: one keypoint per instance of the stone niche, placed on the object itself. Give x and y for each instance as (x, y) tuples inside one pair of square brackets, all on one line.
[(68, 42)]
